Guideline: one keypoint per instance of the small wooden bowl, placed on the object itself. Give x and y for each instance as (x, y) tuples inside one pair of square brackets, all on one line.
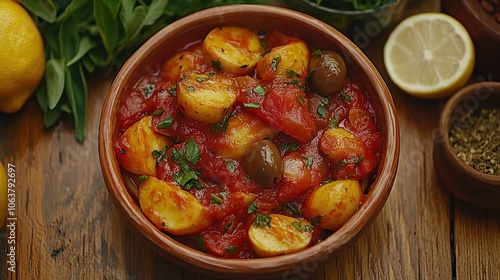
[(461, 180), (194, 27)]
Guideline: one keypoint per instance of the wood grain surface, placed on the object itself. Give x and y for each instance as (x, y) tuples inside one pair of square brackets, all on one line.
[(68, 228)]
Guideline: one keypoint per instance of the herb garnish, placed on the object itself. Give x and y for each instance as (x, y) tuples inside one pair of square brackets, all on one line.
[(317, 52), (187, 178), (143, 178), (157, 112), (166, 123), (148, 90), (308, 160), (262, 220), (285, 147), (251, 105), (304, 228), (274, 64), (345, 96), (217, 65), (334, 122), (252, 207), (230, 166), (259, 90), (159, 155), (215, 199), (231, 249), (292, 207)]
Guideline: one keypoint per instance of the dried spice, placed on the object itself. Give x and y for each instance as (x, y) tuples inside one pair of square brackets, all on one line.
[(475, 137)]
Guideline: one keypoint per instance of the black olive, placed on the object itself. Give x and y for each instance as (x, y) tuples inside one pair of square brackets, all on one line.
[(263, 163), (328, 72)]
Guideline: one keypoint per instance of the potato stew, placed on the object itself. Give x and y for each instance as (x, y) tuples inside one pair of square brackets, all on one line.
[(248, 144)]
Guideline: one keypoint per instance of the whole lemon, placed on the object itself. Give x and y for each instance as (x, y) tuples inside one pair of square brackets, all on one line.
[(3, 195), (22, 58)]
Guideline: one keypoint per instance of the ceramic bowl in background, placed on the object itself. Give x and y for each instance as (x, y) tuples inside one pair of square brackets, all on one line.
[(194, 27), (458, 178), (484, 30), (358, 25)]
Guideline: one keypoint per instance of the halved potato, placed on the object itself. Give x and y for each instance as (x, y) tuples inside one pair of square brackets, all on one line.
[(206, 98), (171, 208), (242, 131), (283, 235), (334, 202), (137, 145), (181, 63), (235, 49), (339, 144), (285, 61)]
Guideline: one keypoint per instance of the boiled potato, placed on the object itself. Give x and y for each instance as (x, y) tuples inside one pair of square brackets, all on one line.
[(339, 144), (284, 60), (181, 63), (334, 203), (206, 98), (136, 146), (242, 131), (283, 235), (172, 209), (236, 49)]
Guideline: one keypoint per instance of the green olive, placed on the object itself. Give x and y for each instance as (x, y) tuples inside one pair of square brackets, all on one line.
[(263, 163), (328, 72)]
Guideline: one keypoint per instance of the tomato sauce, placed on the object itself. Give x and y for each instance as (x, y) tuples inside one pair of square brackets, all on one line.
[(298, 116)]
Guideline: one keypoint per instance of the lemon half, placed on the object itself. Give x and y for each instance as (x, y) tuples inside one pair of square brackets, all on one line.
[(429, 55)]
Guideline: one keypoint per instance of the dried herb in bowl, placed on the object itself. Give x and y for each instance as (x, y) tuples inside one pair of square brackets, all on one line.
[(475, 138)]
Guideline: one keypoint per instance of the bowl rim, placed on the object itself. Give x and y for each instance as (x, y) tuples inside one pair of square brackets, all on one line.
[(481, 18), (364, 216), (472, 90), (349, 12)]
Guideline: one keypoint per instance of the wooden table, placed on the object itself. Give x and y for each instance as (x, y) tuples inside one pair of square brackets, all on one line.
[(68, 228)]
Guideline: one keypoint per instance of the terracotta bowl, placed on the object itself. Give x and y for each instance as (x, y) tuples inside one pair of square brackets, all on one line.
[(194, 27), (484, 32), (461, 180)]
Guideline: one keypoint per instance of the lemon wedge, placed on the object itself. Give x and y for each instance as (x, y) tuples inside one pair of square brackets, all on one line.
[(429, 55)]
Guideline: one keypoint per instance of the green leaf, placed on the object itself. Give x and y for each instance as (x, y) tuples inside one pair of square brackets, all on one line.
[(84, 46), (69, 39), (106, 24), (76, 91), (113, 5), (132, 22), (155, 11), (54, 79), (44, 9), (192, 151)]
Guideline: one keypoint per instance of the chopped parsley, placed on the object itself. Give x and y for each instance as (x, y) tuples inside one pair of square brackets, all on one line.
[(187, 178), (345, 96), (334, 122), (251, 105), (200, 243), (252, 207), (143, 178), (308, 161), (293, 208), (173, 90), (317, 52), (148, 90), (166, 123), (157, 112), (217, 65), (285, 147), (321, 111), (274, 64), (230, 166), (190, 88), (259, 90), (204, 79), (292, 74), (228, 226), (159, 155), (262, 220), (215, 199), (231, 249), (304, 228)]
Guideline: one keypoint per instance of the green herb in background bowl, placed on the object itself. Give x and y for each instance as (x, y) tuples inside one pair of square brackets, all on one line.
[(360, 20), (86, 36), (357, 5)]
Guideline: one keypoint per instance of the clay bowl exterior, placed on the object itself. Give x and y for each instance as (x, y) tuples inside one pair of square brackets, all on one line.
[(484, 32), (194, 27), (459, 179)]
